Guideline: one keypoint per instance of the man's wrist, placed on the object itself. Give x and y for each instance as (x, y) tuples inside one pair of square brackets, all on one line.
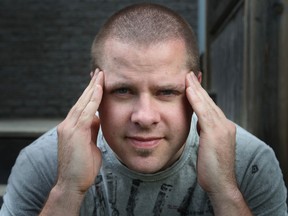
[(61, 190), (230, 202), (62, 201)]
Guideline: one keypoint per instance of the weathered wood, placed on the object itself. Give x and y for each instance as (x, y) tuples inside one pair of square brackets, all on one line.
[(226, 66), (218, 12), (265, 68), (260, 66), (247, 67), (283, 91)]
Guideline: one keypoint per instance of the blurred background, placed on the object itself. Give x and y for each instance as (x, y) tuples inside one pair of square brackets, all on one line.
[(45, 64)]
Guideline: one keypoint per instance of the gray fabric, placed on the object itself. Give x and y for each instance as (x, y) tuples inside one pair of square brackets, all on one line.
[(120, 191)]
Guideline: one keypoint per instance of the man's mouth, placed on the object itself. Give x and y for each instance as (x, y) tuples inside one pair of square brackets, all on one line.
[(144, 142)]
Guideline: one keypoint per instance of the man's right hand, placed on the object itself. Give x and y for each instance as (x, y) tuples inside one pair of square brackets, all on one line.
[(79, 159)]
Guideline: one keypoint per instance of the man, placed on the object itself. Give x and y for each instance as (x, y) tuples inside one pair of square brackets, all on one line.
[(153, 155)]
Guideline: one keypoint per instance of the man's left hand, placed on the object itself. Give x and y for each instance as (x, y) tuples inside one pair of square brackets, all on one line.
[(216, 156)]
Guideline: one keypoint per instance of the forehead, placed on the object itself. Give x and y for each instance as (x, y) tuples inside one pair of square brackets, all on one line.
[(167, 55), (162, 64)]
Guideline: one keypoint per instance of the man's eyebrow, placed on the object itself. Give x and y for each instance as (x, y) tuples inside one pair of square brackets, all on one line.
[(170, 86), (115, 85), (156, 86)]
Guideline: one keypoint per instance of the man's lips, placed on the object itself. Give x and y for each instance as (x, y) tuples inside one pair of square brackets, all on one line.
[(144, 142)]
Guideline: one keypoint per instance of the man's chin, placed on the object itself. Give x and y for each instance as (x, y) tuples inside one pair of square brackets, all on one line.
[(144, 152), (145, 164)]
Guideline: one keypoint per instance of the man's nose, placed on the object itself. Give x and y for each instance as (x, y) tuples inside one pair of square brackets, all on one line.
[(145, 112)]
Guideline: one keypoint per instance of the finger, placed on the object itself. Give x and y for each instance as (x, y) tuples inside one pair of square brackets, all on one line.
[(88, 113), (201, 102), (78, 108), (193, 82), (196, 95), (89, 88), (207, 111)]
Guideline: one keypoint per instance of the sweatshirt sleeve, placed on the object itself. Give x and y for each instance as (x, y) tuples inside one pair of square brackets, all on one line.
[(32, 177), (259, 176)]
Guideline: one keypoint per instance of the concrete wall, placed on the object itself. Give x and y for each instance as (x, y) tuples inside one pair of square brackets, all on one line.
[(45, 51)]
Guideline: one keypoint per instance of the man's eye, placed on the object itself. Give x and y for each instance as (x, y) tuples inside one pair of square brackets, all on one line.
[(167, 92), (122, 91)]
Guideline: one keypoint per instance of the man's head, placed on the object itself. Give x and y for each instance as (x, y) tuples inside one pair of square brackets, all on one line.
[(145, 25), (144, 113)]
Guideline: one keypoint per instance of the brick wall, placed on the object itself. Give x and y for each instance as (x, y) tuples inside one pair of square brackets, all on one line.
[(45, 48)]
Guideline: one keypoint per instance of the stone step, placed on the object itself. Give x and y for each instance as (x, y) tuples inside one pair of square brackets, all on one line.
[(26, 127)]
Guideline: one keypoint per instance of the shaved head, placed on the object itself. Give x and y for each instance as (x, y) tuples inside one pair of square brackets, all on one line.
[(144, 25)]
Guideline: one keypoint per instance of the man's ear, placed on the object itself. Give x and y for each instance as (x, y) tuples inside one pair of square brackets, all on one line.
[(199, 76)]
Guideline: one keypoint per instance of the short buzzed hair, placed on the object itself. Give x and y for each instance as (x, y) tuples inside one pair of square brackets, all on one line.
[(146, 24)]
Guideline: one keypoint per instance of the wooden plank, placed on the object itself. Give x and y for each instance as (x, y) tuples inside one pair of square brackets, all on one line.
[(218, 11), (283, 91), (259, 77), (219, 15), (265, 68), (226, 67)]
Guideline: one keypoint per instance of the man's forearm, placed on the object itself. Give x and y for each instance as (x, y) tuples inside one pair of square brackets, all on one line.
[(62, 202), (230, 203)]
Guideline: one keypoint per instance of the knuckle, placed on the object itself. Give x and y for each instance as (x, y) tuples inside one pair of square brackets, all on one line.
[(83, 120), (63, 129), (84, 115), (60, 128), (231, 128), (82, 126), (77, 110)]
